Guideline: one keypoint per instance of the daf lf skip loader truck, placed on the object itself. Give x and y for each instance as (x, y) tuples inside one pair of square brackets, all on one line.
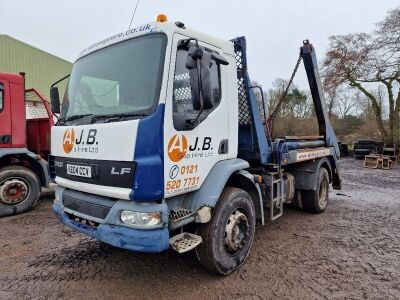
[(160, 144)]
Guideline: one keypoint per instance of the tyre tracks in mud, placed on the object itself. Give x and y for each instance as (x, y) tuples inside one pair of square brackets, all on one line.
[(350, 251)]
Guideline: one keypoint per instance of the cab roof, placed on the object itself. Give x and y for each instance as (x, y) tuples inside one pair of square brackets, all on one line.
[(153, 27)]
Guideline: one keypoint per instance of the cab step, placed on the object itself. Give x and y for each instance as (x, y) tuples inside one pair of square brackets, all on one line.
[(276, 196), (184, 242)]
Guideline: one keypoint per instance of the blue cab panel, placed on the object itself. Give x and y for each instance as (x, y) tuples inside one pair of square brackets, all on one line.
[(149, 158)]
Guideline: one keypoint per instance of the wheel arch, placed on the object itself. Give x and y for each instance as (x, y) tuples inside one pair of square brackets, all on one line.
[(224, 173), (325, 163), (306, 173), (27, 159), (245, 181)]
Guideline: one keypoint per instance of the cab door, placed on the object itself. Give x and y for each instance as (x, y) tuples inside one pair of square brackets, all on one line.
[(5, 115), (191, 150)]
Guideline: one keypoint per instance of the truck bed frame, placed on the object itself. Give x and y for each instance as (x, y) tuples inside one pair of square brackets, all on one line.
[(268, 154)]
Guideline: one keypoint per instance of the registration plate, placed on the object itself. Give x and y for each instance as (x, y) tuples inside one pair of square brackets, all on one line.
[(78, 170)]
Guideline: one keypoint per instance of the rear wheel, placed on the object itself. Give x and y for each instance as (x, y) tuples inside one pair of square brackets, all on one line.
[(316, 201), (228, 237), (19, 190)]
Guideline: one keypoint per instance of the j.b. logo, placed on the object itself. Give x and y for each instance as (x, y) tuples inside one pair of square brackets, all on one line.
[(68, 140), (177, 147), (85, 140)]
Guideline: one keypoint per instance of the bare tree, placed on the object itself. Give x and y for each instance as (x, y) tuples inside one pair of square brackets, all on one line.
[(330, 97), (276, 92), (296, 103), (365, 61)]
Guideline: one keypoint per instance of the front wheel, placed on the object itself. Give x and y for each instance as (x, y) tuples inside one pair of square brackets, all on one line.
[(19, 190), (228, 237), (316, 201)]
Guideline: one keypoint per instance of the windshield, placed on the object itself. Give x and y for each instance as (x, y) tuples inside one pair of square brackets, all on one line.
[(124, 78)]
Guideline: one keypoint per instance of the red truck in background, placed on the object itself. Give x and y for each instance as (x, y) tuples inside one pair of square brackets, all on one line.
[(25, 123)]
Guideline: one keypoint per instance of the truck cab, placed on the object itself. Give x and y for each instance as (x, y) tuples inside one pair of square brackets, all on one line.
[(25, 122), (12, 110), (160, 143)]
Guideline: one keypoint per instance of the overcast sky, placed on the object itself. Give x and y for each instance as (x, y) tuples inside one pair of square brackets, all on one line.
[(274, 29)]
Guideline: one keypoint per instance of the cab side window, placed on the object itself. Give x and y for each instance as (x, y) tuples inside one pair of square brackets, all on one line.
[(1, 97), (183, 111)]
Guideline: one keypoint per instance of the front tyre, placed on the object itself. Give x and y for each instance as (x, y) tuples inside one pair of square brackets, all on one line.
[(228, 237), (19, 190)]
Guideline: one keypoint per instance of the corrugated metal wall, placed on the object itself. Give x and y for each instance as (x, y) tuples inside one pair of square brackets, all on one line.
[(41, 68)]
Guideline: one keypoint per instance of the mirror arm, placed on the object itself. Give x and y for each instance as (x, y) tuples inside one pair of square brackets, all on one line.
[(55, 107), (219, 59), (58, 81)]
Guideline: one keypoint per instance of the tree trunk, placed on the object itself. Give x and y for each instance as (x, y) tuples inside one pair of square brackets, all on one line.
[(376, 108), (397, 115), (392, 113)]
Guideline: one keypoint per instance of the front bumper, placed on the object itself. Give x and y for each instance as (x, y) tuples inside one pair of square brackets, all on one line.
[(111, 231)]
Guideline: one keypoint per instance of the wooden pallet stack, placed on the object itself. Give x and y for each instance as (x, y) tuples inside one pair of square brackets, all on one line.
[(386, 160)]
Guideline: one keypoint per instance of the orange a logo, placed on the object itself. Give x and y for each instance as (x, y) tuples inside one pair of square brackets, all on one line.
[(177, 147), (68, 140)]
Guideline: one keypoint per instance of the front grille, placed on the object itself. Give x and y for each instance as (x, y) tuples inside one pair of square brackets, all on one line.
[(91, 224), (89, 208)]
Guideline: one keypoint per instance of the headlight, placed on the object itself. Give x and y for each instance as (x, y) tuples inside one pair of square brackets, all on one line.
[(139, 218)]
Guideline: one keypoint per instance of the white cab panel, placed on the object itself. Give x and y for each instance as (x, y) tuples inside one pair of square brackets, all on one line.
[(106, 141)]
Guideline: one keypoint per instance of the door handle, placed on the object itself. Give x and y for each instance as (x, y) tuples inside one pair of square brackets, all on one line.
[(223, 147)]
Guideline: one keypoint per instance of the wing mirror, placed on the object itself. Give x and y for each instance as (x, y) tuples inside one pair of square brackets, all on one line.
[(55, 100), (199, 62), (55, 96)]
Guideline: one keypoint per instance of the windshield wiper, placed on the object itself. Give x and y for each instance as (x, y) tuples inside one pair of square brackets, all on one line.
[(118, 116), (72, 118)]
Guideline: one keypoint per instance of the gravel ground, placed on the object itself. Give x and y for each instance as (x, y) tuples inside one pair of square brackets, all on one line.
[(350, 251)]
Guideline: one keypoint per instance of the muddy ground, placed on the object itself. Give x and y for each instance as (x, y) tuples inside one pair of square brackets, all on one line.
[(350, 251)]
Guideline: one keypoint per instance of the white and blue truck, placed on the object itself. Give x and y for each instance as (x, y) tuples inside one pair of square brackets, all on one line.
[(160, 143)]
